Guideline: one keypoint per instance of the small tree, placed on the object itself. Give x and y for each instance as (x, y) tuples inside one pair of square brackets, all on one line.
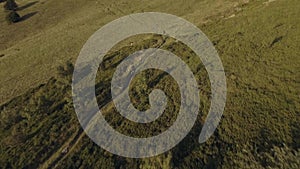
[(10, 5), (13, 17)]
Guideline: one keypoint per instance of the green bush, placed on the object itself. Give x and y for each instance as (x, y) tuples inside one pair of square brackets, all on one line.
[(13, 17), (10, 5)]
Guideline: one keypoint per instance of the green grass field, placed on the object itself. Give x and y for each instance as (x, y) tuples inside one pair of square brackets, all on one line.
[(258, 43)]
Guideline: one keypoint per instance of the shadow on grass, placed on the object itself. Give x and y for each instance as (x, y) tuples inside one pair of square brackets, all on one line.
[(27, 6), (27, 16)]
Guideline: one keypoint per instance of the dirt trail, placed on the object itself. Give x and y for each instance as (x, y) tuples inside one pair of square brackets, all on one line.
[(59, 154)]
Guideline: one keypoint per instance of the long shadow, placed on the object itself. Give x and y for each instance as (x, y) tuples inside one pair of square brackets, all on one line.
[(27, 16), (27, 6)]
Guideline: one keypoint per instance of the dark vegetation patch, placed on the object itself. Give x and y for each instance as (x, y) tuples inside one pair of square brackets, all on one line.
[(13, 17), (10, 5), (276, 40), (11, 8)]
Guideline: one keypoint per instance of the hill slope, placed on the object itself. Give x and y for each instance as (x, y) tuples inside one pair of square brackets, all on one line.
[(259, 47)]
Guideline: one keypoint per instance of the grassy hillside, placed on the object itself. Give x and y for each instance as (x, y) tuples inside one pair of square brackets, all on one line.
[(59, 28), (257, 42)]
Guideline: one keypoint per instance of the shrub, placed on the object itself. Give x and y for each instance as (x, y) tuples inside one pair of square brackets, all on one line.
[(66, 70), (13, 17), (10, 5)]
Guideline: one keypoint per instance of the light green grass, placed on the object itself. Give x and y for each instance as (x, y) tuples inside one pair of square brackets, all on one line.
[(35, 47)]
